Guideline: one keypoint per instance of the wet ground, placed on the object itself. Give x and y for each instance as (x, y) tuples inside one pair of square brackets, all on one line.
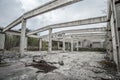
[(61, 66)]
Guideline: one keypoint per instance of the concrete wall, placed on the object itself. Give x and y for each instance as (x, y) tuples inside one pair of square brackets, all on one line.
[(113, 42), (96, 45)]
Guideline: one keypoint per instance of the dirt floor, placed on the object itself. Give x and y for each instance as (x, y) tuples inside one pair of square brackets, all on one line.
[(60, 66)]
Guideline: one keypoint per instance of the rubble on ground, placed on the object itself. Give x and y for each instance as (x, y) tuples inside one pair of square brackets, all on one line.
[(58, 66)]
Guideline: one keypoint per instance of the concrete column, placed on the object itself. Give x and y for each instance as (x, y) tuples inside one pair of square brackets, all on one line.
[(77, 46), (81, 44), (116, 9), (26, 43), (63, 45), (58, 44), (22, 39), (67, 46), (50, 40), (40, 44), (71, 45), (101, 44)]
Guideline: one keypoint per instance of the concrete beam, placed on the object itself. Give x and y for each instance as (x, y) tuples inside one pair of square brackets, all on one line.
[(80, 36), (95, 20), (14, 23), (84, 30), (78, 31), (13, 33), (40, 10), (34, 36), (19, 34)]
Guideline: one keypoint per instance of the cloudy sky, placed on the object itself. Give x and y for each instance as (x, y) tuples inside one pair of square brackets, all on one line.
[(12, 9)]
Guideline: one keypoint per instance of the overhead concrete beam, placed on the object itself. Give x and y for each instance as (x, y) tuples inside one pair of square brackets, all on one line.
[(13, 33), (34, 36), (48, 7), (84, 30), (79, 36), (88, 34), (14, 23), (95, 20), (40, 10), (18, 33), (79, 31), (81, 22), (99, 38)]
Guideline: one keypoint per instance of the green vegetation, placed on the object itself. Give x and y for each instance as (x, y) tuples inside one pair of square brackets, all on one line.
[(92, 49)]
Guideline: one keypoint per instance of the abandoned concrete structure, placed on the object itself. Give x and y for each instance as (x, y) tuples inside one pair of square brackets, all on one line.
[(95, 37)]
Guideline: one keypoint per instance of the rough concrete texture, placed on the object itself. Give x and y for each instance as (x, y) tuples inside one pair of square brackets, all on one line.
[(77, 66)]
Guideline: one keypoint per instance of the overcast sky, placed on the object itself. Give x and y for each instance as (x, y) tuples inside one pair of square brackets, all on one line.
[(12, 9)]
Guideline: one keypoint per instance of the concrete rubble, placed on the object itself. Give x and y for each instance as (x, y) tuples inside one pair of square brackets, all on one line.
[(75, 66)]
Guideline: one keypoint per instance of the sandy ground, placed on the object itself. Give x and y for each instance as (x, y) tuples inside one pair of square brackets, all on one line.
[(77, 66)]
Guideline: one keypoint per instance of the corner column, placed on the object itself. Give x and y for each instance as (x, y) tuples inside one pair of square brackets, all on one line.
[(22, 39)]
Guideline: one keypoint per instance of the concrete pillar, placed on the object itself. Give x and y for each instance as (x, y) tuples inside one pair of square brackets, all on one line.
[(77, 46), (26, 43), (81, 44), (102, 45), (22, 39), (71, 45), (58, 44), (63, 45), (116, 8), (67, 46), (50, 40), (40, 44)]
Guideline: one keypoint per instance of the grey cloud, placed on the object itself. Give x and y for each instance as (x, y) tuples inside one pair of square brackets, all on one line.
[(9, 11)]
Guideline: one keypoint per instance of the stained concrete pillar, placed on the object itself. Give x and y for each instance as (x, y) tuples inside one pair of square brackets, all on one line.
[(40, 44), (22, 39), (63, 45), (71, 45), (50, 40)]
